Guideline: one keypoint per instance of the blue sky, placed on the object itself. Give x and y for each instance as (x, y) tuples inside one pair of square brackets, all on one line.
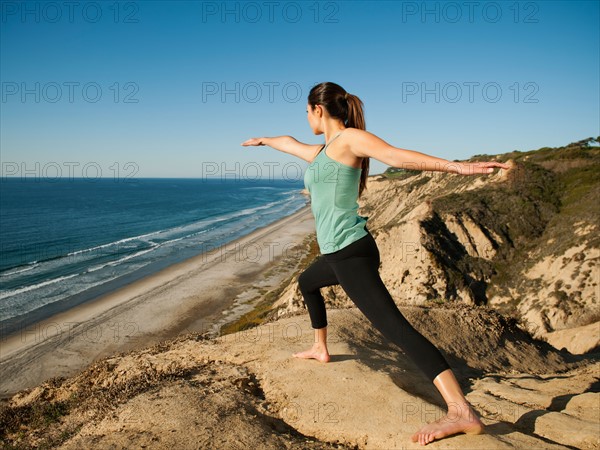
[(171, 89)]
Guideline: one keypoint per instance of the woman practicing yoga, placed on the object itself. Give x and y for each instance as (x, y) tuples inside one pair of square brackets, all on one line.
[(349, 256)]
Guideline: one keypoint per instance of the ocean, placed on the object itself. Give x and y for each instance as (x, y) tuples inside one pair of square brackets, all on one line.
[(67, 241)]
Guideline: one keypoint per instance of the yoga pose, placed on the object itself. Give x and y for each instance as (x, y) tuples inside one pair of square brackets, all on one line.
[(335, 179)]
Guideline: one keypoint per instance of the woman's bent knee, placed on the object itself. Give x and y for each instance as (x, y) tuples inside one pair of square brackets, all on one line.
[(303, 282)]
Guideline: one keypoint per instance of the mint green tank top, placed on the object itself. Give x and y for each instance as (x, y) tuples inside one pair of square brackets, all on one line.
[(333, 189)]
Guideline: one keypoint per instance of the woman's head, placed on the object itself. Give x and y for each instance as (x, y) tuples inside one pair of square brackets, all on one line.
[(338, 104), (342, 106)]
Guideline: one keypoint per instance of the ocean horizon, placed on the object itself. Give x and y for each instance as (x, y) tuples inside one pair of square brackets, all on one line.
[(67, 241)]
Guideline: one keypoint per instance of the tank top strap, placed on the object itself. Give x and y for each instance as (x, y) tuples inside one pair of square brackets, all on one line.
[(334, 138)]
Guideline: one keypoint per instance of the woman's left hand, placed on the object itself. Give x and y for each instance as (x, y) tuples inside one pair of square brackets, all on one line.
[(479, 167)]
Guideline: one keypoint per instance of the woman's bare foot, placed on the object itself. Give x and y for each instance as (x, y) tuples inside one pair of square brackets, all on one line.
[(317, 352), (460, 419)]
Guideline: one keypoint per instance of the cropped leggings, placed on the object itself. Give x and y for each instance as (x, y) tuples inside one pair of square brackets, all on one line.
[(356, 269)]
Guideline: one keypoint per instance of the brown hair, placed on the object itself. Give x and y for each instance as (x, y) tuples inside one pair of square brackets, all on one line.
[(343, 106)]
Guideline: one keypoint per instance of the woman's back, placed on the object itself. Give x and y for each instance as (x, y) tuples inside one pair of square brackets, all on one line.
[(333, 188)]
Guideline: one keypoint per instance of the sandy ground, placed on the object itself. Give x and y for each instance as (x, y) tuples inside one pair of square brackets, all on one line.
[(246, 391), (193, 296)]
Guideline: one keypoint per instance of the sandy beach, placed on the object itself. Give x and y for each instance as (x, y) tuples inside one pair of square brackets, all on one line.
[(196, 295)]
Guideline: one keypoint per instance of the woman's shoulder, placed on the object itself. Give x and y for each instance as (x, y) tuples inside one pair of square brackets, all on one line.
[(357, 141), (354, 132), (356, 137)]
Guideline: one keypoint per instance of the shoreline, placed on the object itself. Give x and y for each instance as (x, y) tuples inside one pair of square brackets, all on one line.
[(189, 296), (13, 325)]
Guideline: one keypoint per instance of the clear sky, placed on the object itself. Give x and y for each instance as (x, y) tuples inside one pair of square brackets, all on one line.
[(171, 89)]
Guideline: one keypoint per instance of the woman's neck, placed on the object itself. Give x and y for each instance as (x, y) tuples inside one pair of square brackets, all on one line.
[(332, 132)]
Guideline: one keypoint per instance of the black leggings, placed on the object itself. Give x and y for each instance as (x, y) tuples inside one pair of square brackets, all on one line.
[(356, 268)]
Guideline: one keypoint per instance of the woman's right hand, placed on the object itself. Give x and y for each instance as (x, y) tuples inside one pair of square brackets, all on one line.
[(253, 141)]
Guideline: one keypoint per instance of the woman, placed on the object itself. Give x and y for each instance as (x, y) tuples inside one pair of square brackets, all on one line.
[(349, 256)]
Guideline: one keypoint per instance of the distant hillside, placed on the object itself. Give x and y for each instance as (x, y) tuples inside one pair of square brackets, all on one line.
[(524, 241)]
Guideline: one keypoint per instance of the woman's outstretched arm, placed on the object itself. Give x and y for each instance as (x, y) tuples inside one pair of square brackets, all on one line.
[(365, 144), (287, 144)]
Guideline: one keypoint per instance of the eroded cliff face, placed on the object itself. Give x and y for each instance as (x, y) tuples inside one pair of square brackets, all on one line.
[(522, 241)]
